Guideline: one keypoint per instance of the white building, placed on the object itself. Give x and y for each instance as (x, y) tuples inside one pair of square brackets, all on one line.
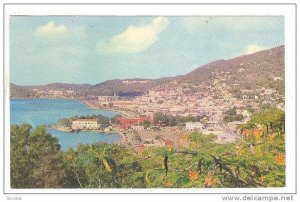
[(90, 124), (191, 126)]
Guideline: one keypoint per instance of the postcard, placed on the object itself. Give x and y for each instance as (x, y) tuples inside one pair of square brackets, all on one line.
[(99, 100)]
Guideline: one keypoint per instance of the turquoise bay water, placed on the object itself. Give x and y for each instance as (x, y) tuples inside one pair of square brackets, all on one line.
[(48, 111)]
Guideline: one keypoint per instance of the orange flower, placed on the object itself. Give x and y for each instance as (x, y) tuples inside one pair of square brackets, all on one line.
[(169, 184), (271, 137), (210, 180), (262, 178), (240, 150), (246, 133), (69, 157), (183, 140), (258, 132), (280, 159), (282, 134), (184, 137), (169, 144), (193, 175), (140, 149)]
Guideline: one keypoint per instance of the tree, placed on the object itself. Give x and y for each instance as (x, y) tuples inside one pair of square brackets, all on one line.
[(103, 166), (137, 137), (20, 163), (36, 159), (103, 120), (231, 112), (64, 122), (257, 160), (238, 117), (271, 118), (146, 124), (115, 119), (250, 109), (160, 118), (46, 159)]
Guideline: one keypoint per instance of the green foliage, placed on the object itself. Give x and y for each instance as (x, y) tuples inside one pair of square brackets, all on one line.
[(64, 122), (250, 109), (146, 124), (157, 137), (231, 112), (36, 159), (115, 119), (231, 118), (103, 166), (200, 138), (257, 160), (137, 137), (272, 118), (169, 120), (231, 115)]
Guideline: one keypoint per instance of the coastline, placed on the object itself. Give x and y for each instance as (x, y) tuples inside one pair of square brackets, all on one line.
[(126, 137), (52, 127), (113, 132), (86, 103), (121, 112), (74, 132)]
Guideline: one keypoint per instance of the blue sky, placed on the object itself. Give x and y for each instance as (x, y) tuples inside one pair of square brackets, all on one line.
[(78, 49)]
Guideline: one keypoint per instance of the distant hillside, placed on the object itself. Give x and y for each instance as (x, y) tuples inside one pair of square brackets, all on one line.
[(60, 86), (19, 91), (126, 87), (247, 71), (129, 85)]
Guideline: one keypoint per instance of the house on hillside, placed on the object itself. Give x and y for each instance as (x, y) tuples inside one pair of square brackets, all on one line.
[(192, 126), (139, 128)]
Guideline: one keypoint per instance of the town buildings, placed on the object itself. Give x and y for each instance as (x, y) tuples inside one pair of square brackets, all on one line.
[(127, 123), (192, 126)]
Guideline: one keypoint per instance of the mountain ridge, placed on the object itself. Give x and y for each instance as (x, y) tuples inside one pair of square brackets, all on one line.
[(244, 70)]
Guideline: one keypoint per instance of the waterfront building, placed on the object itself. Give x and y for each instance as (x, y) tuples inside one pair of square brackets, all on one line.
[(81, 124)]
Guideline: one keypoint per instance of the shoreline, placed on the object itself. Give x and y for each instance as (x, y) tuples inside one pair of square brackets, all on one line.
[(113, 132), (86, 103), (121, 112), (74, 132), (126, 138)]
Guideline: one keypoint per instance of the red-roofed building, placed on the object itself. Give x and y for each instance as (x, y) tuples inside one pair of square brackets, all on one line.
[(126, 123)]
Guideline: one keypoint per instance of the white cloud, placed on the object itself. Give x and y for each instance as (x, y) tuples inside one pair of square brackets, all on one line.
[(51, 30), (254, 48), (134, 38)]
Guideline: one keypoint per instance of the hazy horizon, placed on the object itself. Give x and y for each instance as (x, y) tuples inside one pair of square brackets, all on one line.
[(128, 78), (91, 50)]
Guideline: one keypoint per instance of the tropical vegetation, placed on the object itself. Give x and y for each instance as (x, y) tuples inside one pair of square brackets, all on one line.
[(257, 160)]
